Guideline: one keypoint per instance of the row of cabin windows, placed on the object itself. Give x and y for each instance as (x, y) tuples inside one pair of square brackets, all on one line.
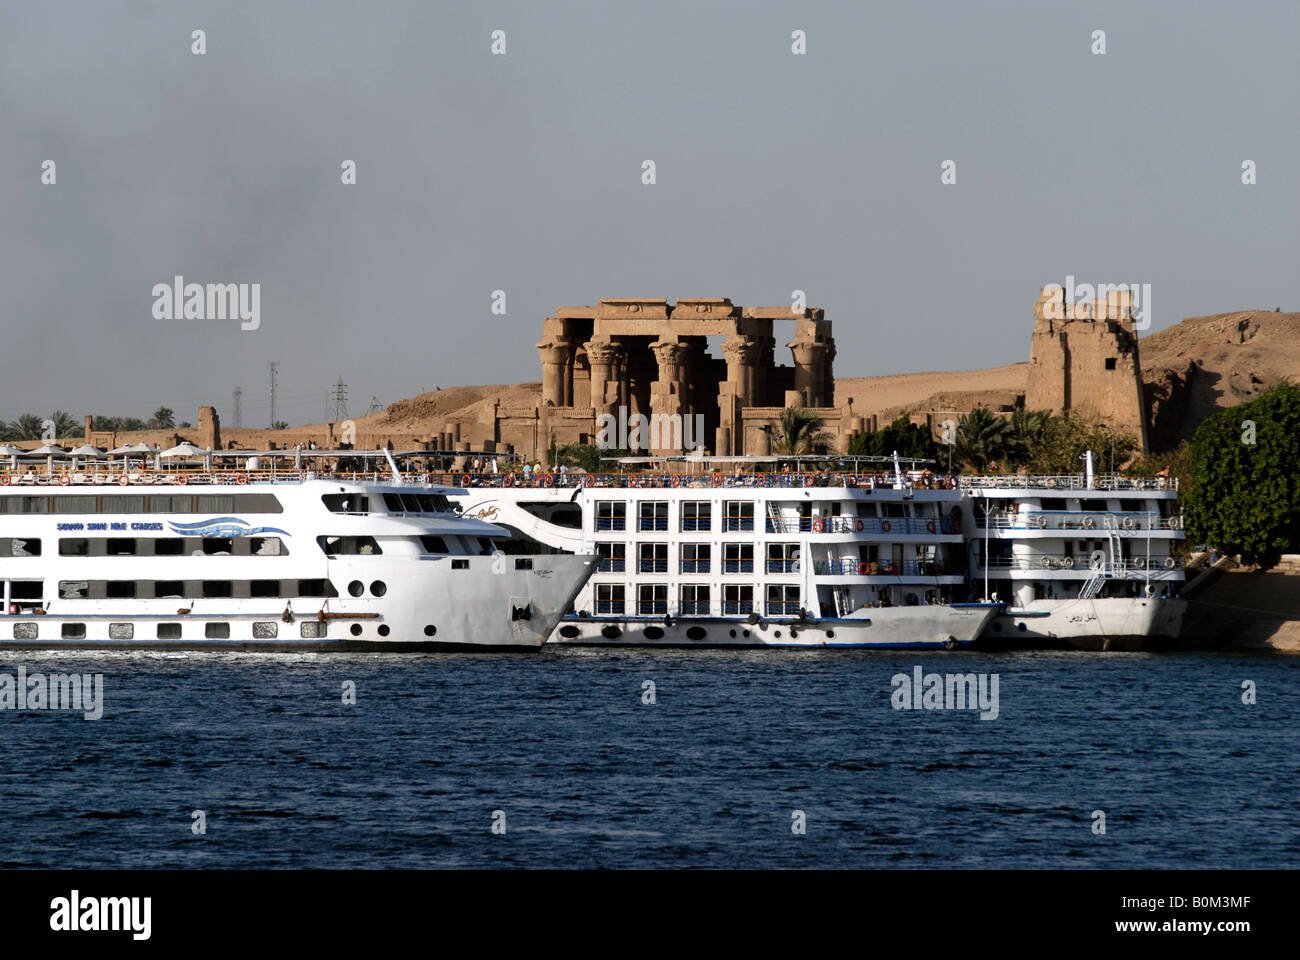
[(693, 557), (189, 589), (262, 630), (172, 547), (736, 514), (693, 598), (393, 503), (140, 503)]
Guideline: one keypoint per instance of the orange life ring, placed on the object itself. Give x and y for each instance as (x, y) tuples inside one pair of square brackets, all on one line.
[(859, 526), (808, 479), (550, 480), (5, 480), (929, 526), (182, 479), (632, 480), (819, 525), (64, 480), (508, 480), (465, 479), (677, 480), (864, 568), (241, 479), (589, 480), (885, 526), (761, 479), (717, 479), (123, 480)]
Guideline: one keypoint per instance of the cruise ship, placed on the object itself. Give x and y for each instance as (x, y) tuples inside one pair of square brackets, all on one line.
[(260, 556), (758, 559), (1083, 561)]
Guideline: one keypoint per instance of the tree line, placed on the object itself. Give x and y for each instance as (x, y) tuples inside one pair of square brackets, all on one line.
[(31, 426)]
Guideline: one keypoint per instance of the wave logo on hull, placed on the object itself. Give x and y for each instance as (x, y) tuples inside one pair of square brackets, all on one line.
[(222, 527)]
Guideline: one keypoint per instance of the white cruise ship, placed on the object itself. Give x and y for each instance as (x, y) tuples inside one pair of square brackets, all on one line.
[(798, 560), (264, 560), (1083, 561)]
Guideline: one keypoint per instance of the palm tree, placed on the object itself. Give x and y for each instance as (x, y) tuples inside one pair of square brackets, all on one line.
[(64, 424), (1029, 431), (983, 437), (164, 418), (800, 432), (30, 426)]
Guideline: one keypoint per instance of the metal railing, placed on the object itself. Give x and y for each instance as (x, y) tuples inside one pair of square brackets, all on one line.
[(1068, 482), (1125, 520), (1083, 563), (871, 526), (888, 568)]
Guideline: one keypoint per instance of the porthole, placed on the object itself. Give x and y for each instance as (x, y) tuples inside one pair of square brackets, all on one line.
[(379, 588), (746, 632), (569, 631), (830, 634), (778, 634), (654, 633), (733, 633), (430, 629), (356, 629), (1022, 626), (356, 588), (697, 633), (384, 630), (611, 632)]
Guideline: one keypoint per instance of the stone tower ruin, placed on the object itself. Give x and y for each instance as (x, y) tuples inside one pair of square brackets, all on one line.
[(1083, 357)]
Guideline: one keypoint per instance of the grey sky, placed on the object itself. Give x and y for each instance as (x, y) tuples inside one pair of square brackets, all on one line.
[(523, 172)]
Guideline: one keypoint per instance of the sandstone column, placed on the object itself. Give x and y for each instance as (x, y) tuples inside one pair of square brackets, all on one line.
[(553, 367)]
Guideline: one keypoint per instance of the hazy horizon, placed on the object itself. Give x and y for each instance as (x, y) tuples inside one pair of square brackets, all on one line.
[(476, 172)]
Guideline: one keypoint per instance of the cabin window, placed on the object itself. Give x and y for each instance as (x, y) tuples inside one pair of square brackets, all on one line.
[(213, 503), (169, 546), (169, 631), (738, 515), (123, 504), (218, 546), (459, 564), (652, 558), (782, 600), (695, 557), (696, 515), (169, 589), (737, 599), (264, 588), (316, 588), (738, 558), (435, 545), (611, 557), (216, 631), (313, 629), (26, 631), (74, 547), (121, 631), (265, 546), (524, 563), (24, 504), (611, 515), (349, 546), (609, 598), (694, 600), (356, 588), (74, 631), (120, 589), (217, 588), (393, 503), (121, 547), (265, 630), (20, 547), (346, 503), (74, 589), (26, 589), (378, 588), (652, 599), (170, 504), (653, 515), (410, 503), (74, 504)]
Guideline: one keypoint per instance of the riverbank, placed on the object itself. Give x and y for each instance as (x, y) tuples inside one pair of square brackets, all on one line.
[(1247, 608)]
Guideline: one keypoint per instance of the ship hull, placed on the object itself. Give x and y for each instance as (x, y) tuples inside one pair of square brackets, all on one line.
[(1101, 623), (889, 628)]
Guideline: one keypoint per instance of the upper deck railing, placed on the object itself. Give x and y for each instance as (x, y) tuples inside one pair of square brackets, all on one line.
[(1111, 481)]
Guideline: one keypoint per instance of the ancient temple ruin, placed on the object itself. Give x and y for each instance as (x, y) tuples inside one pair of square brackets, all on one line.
[(651, 358)]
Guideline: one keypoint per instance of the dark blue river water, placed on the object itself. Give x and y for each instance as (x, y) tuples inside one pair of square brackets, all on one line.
[(708, 776)]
